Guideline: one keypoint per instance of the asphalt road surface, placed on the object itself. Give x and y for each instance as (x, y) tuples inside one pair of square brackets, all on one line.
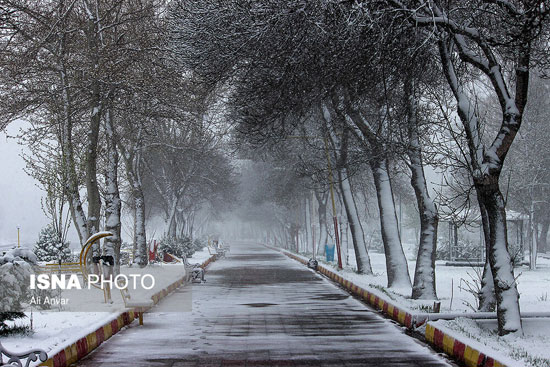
[(260, 308)]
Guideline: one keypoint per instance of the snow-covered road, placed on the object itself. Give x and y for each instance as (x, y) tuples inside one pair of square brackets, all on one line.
[(259, 308)]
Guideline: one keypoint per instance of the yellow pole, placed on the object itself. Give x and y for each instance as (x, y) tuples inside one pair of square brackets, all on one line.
[(334, 219), (18, 238)]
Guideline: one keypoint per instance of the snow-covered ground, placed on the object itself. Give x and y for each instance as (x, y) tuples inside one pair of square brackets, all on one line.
[(530, 350), (56, 328), (533, 285)]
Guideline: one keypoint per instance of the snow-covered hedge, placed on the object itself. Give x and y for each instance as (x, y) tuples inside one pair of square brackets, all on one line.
[(180, 247)]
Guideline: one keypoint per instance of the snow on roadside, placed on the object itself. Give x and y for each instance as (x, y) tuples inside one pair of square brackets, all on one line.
[(531, 349), (53, 329), (451, 284)]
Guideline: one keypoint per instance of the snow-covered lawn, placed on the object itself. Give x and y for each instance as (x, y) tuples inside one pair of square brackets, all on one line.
[(55, 328), (533, 285)]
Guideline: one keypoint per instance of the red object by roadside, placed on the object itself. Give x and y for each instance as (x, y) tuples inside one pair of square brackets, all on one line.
[(167, 258), (153, 254)]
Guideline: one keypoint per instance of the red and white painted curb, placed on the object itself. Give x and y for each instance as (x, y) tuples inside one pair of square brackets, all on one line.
[(459, 349), (83, 346)]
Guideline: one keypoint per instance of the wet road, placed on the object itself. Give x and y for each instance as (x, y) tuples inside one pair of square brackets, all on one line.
[(259, 308)]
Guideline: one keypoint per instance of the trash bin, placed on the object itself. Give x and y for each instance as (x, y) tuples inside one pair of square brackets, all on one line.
[(312, 264), (329, 252)]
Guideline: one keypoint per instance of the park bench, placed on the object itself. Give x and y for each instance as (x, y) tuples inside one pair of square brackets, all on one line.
[(218, 253), (193, 272), (17, 359), (140, 305)]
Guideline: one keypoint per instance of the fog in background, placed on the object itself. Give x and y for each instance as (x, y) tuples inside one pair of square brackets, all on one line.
[(20, 196)]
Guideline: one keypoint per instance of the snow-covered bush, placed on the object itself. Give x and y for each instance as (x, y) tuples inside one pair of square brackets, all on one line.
[(16, 268), (51, 247), (180, 247), (6, 329), (15, 271), (14, 285), (19, 254)]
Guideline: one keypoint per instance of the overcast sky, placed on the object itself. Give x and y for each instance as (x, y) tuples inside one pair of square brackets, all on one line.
[(20, 197)]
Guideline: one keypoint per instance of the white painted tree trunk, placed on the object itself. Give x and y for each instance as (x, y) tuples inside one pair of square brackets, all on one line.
[(396, 263), (113, 203), (424, 274), (487, 298), (132, 163), (506, 292), (356, 229)]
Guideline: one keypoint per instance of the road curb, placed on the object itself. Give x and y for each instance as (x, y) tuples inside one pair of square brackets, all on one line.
[(458, 349), (83, 346)]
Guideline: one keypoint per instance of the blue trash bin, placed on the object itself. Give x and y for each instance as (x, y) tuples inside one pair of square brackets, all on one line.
[(329, 252)]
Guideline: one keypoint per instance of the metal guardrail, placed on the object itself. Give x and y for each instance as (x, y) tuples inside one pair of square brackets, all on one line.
[(17, 359)]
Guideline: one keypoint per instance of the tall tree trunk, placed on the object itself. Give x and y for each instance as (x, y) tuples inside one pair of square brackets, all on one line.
[(424, 274), (172, 224), (191, 225), (141, 240), (322, 215), (132, 164), (93, 35), (71, 183), (506, 292), (542, 242), (92, 187), (307, 224), (332, 115), (113, 203), (487, 299), (181, 223), (356, 229), (486, 166), (396, 263)]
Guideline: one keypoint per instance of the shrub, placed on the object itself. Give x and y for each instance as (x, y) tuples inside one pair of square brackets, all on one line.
[(180, 247), (51, 247)]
